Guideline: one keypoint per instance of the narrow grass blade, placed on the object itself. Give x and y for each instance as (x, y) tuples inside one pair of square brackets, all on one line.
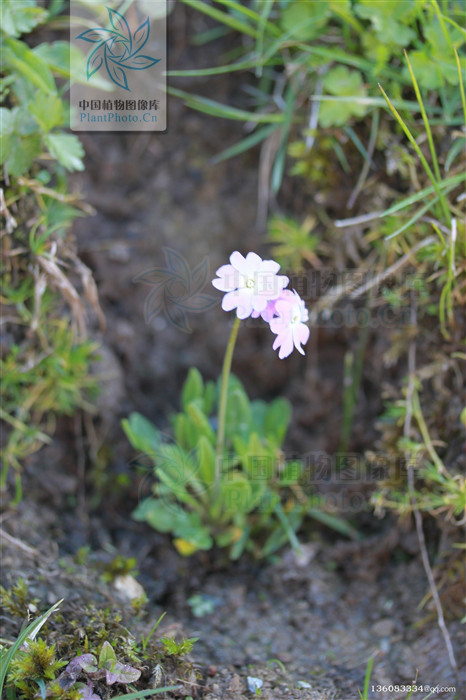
[(460, 78), (367, 678), (254, 16), (222, 17), (418, 214), (349, 59), (442, 24), (422, 194), (290, 533), (335, 523), (454, 24), (433, 154), (220, 70), (279, 164), (420, 155), (216, 109), (245, 144), (264, 16), (357, 142)]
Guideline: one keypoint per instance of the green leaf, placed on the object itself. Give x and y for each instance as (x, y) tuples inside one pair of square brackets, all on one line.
[(193, 387), (7, 124), (177, 469), (67, 149), (428, 73), (277, 420), (342, 82), (47, 110), (258, 461), (190, 528), (23, 151), (69, 62), (238, 415), (304, 20), (21, 17), (107, 656), (186, 435), (206, 460), (157, 514), (201, 422), (236, 494), (389, 19), (210, 397), (142, 434), (291, 473), (19, 56)]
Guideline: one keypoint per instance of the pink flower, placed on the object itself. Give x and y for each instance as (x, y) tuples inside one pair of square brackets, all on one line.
[(289, 324), (250, 284)]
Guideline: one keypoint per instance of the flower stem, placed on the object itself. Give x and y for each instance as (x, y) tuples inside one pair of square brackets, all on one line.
[(222, 408)]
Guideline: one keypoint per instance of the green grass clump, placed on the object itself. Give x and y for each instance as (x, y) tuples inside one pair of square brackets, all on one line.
[(45, 356)]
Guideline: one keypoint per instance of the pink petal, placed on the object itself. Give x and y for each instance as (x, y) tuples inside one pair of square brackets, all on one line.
[(259, 303), (269, 311), (300, 335), (277, 325), (286, 345)]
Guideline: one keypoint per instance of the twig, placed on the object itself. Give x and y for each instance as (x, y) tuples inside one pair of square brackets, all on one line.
[(17, 543), (348, 288), (417, 516), (356, 220), (375, 281), (313, 119)]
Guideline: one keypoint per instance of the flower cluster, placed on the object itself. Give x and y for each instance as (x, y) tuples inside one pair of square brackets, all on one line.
[(254, 289)]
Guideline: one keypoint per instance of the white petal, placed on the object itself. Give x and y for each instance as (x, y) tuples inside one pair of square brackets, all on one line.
[(238, 262), (230, 301), (270, 266), (253, 262), (244, 309)]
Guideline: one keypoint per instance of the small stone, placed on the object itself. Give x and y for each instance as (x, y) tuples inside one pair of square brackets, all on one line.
[(119, 253), (303, 684), (383, 628), (127, 586), (254, 684)]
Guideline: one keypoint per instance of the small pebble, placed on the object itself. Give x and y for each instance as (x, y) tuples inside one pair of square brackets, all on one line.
[(254, 684), (383, 628), (128, 587)]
